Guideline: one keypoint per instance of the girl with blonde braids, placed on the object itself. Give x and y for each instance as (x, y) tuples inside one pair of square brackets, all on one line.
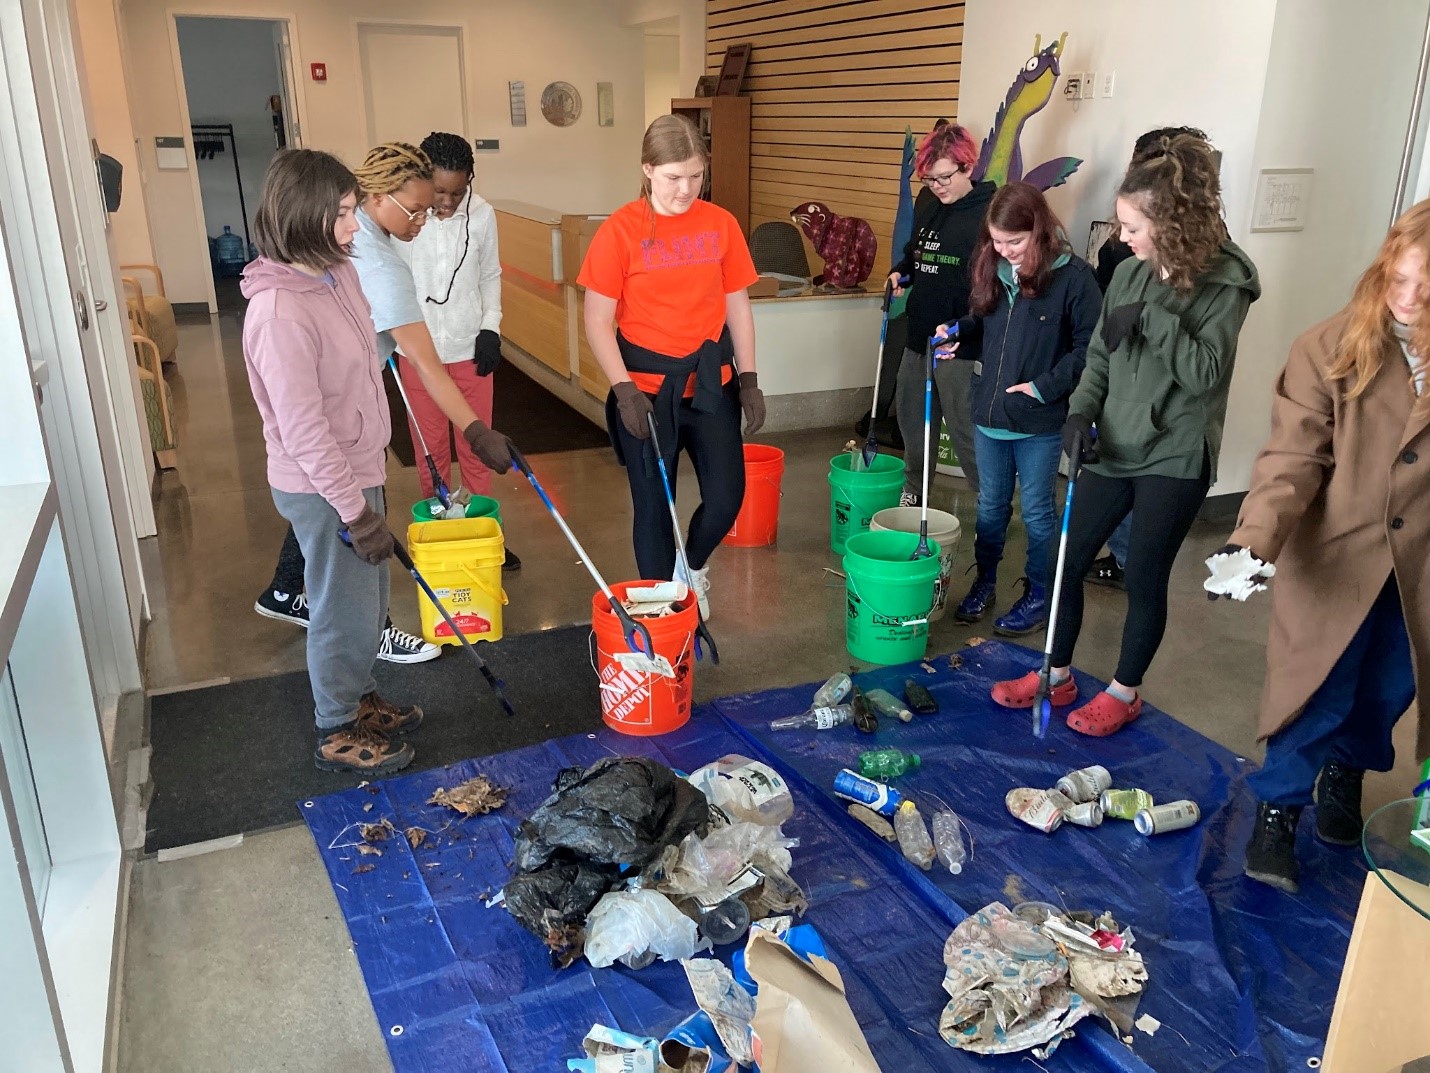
[(1155, 386)]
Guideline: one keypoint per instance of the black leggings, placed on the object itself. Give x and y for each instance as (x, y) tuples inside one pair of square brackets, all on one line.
[(716, 449), (1166, 507)]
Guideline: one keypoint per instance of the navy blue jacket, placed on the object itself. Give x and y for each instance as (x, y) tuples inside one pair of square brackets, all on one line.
[(1041, 340)]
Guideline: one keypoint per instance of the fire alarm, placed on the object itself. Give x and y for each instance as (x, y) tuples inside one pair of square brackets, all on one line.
[(320, 72)]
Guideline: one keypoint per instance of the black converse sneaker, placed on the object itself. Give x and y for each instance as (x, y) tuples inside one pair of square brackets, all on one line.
[(399, 646), (284, 607), (1271, 853)]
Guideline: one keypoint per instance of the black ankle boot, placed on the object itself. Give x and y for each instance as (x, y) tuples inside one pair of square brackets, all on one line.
[(1271, 853), (1338, 816)]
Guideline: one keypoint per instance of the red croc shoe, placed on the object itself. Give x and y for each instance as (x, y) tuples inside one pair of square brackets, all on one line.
[(1019, 692), (1104, 715)]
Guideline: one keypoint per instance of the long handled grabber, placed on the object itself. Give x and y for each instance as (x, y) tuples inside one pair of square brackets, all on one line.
[(1042, 705), (497, 686), (865, 458), (923, 551), (637, 636), (444, 495), (702, 632)]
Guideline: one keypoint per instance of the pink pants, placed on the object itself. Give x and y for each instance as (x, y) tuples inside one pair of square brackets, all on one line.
[(433, 423)]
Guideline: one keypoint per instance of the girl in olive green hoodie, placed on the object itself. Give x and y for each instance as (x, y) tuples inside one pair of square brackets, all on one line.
[(1155, 387)]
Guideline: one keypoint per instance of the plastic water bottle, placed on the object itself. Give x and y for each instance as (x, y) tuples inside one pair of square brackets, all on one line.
[(889, 706), (837, 715), (833, 691), (229, 248), (948, 840), (886, 763), (913, 834), (852, 786)]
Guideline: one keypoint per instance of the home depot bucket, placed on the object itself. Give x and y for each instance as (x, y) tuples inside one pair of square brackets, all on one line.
[(889, 596), (854, 498), (461, 559), (477, 507), (636, 697), (758, 522), (943, 529)]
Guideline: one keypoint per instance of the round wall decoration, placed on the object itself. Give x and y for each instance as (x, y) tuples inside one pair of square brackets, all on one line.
[(561, 104)]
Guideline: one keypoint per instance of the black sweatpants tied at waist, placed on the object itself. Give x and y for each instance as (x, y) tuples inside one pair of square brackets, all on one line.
[(707, 428)]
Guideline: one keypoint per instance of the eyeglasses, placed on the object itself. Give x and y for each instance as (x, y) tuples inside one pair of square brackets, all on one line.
[(940, 181), (411, 216)]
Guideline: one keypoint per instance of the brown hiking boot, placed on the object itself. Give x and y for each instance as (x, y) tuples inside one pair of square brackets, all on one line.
[(387, 718), (358, 748)]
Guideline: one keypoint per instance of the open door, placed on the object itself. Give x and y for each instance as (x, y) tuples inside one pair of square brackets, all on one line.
[(292, 129)]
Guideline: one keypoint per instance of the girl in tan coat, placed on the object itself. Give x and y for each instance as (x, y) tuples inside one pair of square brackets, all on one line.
[(1340, 504)]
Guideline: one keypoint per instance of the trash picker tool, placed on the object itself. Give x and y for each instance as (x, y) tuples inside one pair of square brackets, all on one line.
[(497, 687), (923, 551), (871, 443), (702, 632), (637, 636), (444, 496)]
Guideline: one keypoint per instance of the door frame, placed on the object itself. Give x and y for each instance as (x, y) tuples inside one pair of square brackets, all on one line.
[(300, 105), (459, 31)]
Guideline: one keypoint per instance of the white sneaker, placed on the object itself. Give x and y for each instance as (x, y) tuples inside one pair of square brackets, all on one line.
[(399, 646), (699, 582)]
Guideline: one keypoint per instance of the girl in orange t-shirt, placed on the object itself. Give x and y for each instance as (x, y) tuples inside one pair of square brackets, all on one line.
[(668, 318)]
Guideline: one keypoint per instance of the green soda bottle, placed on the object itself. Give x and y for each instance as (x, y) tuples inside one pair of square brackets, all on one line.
[(886, 763)]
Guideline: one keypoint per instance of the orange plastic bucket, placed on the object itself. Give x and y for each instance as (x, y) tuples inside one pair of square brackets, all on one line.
[(636, 698), (758, 522)]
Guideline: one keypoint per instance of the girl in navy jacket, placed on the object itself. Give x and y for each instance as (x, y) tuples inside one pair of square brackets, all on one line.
[(1033, 309)]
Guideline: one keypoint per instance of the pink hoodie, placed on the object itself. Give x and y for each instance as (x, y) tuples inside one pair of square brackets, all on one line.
[(312, 362)]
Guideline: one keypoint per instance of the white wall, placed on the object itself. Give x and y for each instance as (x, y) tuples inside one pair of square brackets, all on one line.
[(662, 74), (688, 17), (581, 169), (230, 71)]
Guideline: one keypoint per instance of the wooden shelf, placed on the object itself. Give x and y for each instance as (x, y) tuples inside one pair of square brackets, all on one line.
[(725, 121)]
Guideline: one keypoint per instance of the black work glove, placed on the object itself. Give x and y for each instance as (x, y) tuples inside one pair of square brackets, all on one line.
[(635, 408), (492, 449), (371, 538), (487, 355), (1122, 325), (1079, 441), (752, 401)]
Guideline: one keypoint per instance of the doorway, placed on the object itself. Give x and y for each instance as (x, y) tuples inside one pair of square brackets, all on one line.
[(236, 83)]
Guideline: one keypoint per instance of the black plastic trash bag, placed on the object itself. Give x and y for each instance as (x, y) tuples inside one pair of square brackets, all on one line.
[(553, 904)]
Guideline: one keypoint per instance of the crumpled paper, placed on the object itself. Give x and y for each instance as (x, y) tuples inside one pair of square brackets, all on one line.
[(609, 1050), (729, 1006), (1238, 575), (1001, 1001)]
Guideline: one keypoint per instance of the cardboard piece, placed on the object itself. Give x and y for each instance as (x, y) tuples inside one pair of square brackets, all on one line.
[(803, 1023)]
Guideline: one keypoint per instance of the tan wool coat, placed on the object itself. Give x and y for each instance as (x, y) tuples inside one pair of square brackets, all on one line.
[(1340, 497)]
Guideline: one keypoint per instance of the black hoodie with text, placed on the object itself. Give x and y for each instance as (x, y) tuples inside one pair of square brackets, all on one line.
[(938, 258)]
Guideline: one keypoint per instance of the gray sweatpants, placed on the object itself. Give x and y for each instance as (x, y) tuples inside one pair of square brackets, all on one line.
[(347, 605), (952, 401)]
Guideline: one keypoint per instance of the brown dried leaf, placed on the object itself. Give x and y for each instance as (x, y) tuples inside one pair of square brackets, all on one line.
[(377, 832), (955, 661), (475, 797), (362, 868), (974, 642), (369, 851), (415, 836)]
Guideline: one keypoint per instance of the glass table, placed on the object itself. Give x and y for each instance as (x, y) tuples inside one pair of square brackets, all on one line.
[(1396, 841)]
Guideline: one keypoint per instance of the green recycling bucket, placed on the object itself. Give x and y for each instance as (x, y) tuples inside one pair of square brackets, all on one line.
[(889, 596), (478, 507), (854, 498)]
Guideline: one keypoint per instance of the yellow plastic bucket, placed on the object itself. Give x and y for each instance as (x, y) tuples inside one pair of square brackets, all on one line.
[(461, 559)]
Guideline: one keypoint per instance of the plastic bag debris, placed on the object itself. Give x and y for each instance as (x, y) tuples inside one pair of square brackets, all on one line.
[(553, 903), (745, 790), (728, 1005), (637, 926), (609, 1050)]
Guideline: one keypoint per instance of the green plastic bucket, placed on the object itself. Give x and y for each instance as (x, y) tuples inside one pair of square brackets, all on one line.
[(478, 507), (854, 498), (889, 596)]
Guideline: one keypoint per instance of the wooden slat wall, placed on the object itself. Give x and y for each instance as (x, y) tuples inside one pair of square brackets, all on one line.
[(832, 86)]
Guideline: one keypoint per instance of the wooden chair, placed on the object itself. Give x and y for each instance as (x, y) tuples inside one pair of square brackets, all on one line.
[(151, 313), (158, 407)]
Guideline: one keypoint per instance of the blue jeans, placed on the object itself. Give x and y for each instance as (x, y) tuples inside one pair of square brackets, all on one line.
[(1117, 542), (1348, 719), (1031, 464)]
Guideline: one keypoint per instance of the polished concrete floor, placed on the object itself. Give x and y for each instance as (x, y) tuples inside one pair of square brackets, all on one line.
[(238, 959)]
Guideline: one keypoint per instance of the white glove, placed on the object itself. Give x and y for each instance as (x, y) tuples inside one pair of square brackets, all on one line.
[(1236, 574)]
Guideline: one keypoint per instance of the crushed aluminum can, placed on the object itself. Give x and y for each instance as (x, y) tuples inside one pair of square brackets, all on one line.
[(1173, 816), (1086, 784), (1124, 804), (1035, 808), (1084, 814)]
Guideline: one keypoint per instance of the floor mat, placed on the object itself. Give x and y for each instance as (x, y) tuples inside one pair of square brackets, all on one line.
[(1242, 977), (536, 420), (234, 757)]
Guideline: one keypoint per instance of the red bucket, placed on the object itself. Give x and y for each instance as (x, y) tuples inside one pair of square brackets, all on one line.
[(636, 699), (758, 522)]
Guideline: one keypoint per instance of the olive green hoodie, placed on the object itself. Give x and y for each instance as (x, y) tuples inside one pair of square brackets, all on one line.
[(1159, 399)]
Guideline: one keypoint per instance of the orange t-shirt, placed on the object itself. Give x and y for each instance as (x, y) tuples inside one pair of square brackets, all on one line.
[(669, 286)]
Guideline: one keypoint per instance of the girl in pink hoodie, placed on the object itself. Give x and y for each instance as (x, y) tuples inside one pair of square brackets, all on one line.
[(313, 364)]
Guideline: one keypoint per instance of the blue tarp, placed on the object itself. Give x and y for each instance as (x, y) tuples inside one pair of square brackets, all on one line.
[(1242, 976)]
